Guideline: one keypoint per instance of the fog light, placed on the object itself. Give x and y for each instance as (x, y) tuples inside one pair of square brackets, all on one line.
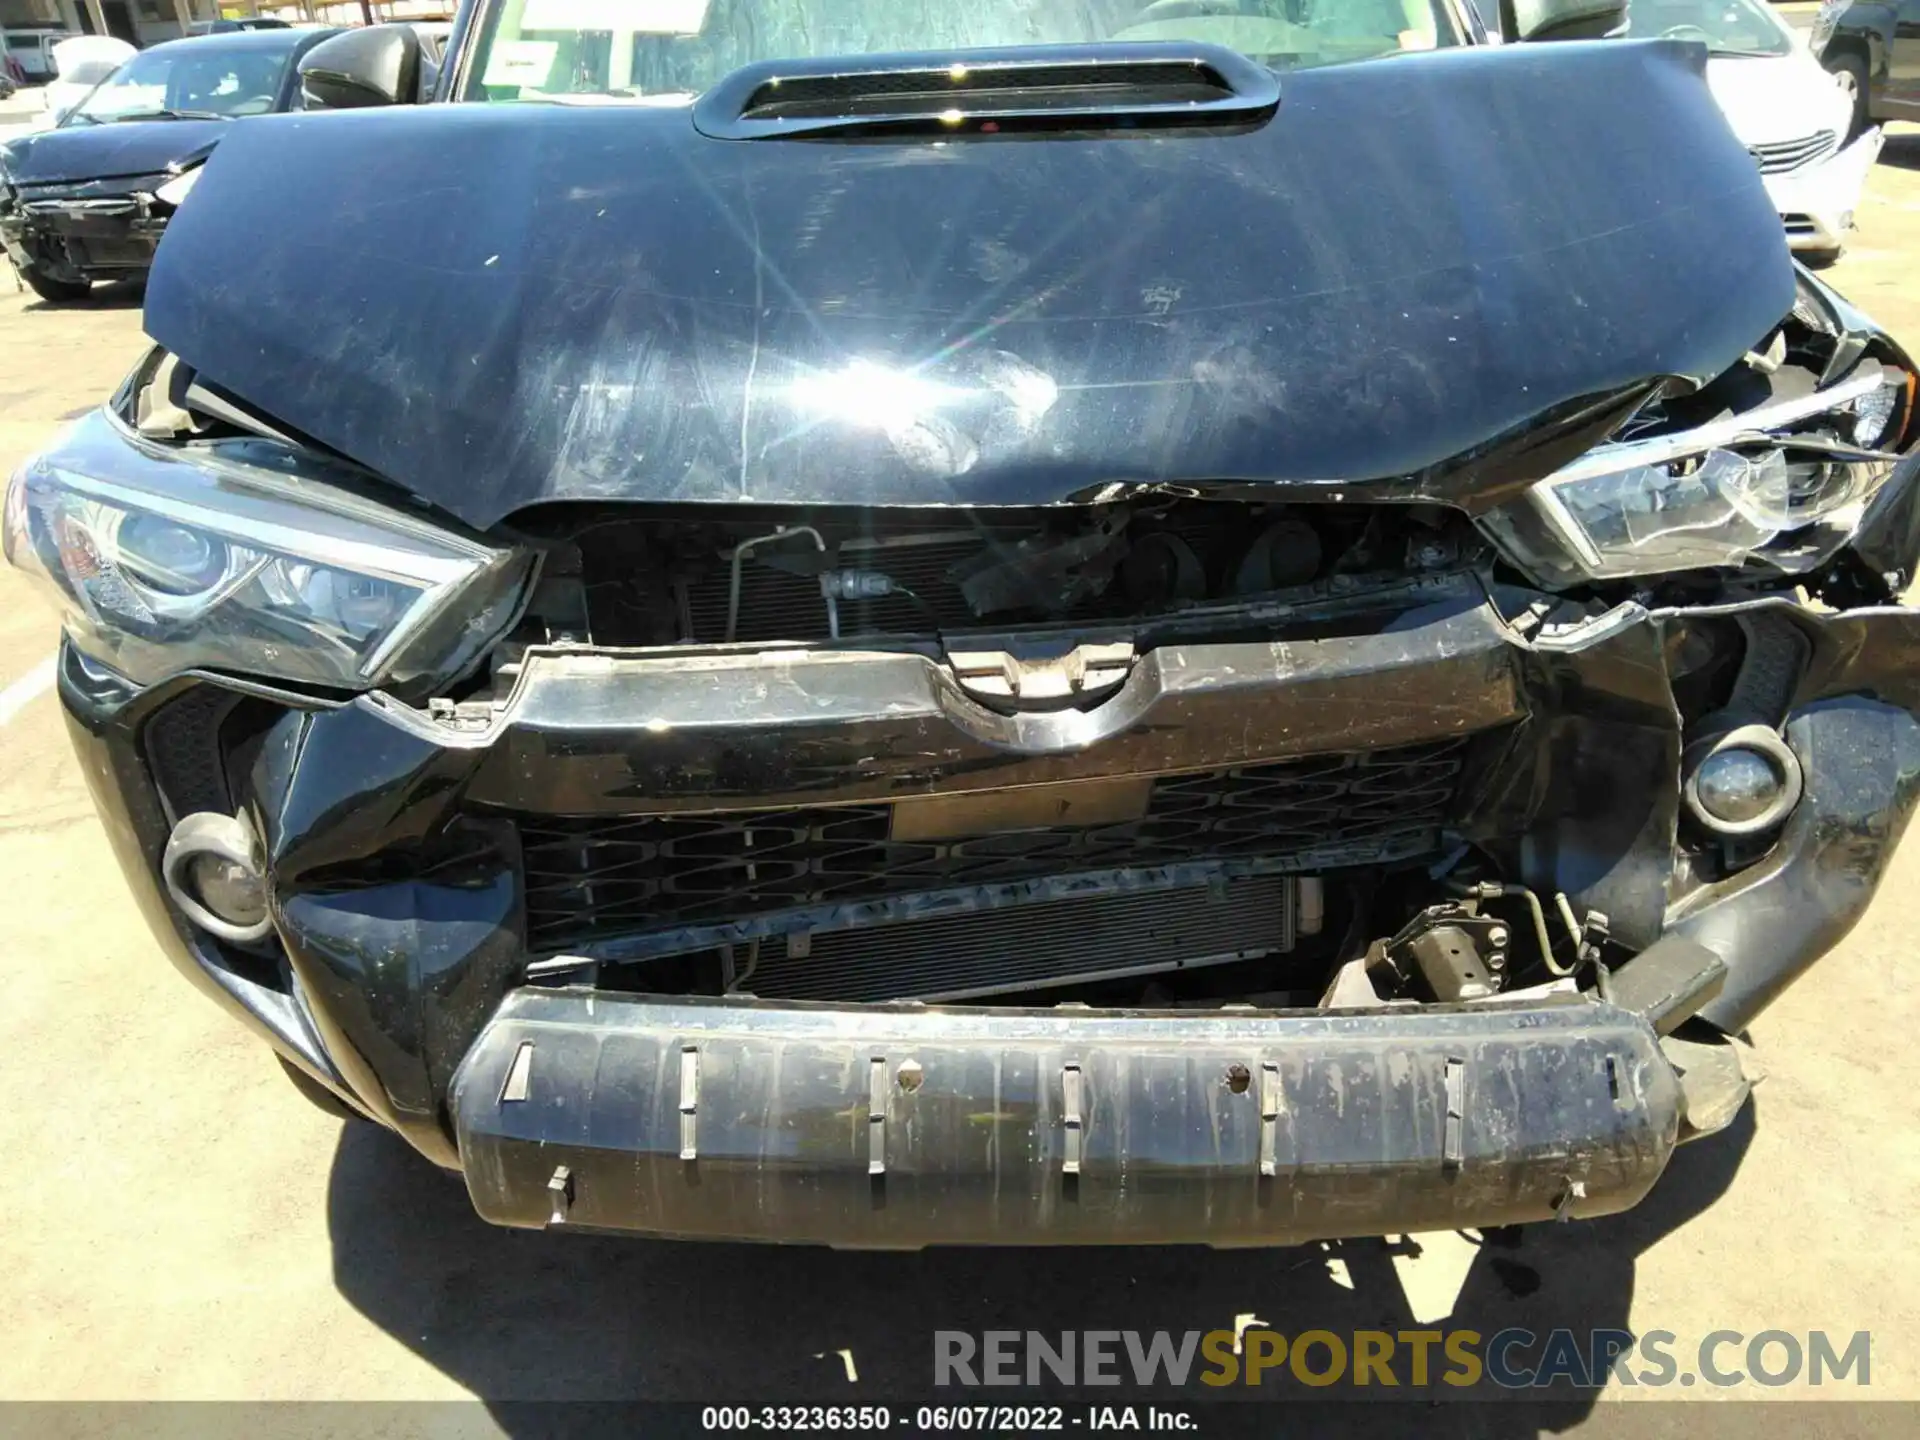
[(1737, 786), (1744, 783), (214, 872), (232, 891)]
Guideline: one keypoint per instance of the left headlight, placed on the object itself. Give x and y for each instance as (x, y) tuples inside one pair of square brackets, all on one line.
[(178, 188), (241, 556), (1782, 486), (1823, 22)]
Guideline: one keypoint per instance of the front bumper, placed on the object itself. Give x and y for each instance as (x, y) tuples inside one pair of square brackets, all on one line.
[(401, 973), (1817, 203), (84, 237), (907, 1126)]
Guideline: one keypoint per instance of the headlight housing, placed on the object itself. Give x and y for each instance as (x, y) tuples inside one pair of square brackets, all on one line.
[(1781, 487), (1823, 22), (249, 557)]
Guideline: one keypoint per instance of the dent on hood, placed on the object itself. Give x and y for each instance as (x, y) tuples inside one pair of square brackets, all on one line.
[(109, 152), (1412, 264)]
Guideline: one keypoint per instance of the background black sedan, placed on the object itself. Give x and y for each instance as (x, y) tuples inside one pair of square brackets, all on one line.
[(1874, 47), (88, 200)]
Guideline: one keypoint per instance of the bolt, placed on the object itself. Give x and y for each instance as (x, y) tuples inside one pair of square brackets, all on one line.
[(1238, 1078), (910, 1075), (1497, 935)]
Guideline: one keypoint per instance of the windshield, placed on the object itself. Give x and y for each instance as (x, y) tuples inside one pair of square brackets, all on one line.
[(1728, 27), (212, 81), (635, 49)]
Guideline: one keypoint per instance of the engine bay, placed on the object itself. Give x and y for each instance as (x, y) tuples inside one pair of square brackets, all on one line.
[(690, 577)]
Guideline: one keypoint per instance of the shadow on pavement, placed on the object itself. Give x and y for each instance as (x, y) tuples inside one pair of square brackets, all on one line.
[(110, 295), (523, 1316)]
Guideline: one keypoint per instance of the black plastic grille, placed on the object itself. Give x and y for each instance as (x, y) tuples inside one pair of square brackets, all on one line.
[(596, 877), (183, 749)]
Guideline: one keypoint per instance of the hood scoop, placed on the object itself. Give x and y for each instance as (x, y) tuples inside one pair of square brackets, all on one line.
[(1077, 87)]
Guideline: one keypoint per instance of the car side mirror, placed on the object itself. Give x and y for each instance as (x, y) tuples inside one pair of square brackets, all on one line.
[(379, 65), (1559, 19)]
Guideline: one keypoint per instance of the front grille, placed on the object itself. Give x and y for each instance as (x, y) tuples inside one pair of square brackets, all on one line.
[(1784, 155), (597, 877), (1064, 942), (182, 742)]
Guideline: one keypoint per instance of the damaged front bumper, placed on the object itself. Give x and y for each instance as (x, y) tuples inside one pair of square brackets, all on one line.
[(429, 965), (901, 1126), (84, 235)]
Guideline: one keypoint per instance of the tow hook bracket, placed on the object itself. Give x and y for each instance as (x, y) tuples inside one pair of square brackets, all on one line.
[(1669, 981), (1459, 953), (1084, 671)]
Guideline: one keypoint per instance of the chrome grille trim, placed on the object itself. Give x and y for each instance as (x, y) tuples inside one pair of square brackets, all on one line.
[(1784, 155)]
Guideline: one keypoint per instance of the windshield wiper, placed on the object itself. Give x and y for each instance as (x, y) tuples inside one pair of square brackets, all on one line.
[(1746, 54), (166, 115)]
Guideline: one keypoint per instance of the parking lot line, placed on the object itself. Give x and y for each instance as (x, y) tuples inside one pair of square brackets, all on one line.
[(24, 691)]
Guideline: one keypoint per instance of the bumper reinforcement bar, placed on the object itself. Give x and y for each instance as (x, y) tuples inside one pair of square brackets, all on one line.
[(901, 1126)]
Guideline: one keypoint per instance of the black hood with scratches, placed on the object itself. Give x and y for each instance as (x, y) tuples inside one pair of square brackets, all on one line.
[(1412, 263)]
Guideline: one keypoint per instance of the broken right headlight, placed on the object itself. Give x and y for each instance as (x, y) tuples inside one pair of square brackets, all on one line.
[(1782, 486)]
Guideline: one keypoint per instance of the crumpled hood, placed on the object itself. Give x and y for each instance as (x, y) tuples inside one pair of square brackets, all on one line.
[(499, 305), (103, 152), (1776, 98)]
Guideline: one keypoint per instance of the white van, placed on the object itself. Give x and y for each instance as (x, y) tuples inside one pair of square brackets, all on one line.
[(31, 48)]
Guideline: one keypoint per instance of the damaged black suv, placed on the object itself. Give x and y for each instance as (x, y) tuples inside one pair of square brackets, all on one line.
[(999, 622)]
